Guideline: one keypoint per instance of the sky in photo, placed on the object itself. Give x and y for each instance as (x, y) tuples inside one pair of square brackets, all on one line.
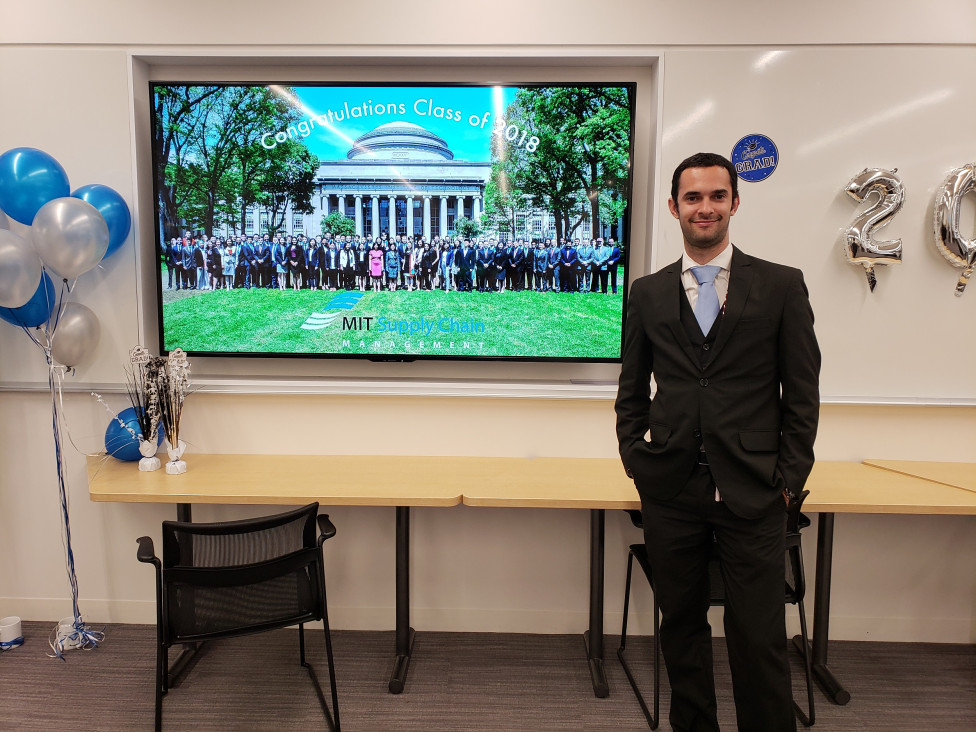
[(447, 111)]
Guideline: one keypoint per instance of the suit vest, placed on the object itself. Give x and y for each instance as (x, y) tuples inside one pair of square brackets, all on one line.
[(703, 343)]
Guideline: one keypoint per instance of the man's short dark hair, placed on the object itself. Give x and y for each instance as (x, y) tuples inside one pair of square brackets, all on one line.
[(704, 160)]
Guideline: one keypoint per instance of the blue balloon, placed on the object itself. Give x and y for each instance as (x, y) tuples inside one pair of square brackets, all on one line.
[(119, 442), (36, 311), (113, 209), (29, 178)]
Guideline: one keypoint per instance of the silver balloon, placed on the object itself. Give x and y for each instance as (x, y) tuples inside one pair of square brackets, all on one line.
[(860, 246), (70, 236), (957, 249), (20, 270), (76, 335)]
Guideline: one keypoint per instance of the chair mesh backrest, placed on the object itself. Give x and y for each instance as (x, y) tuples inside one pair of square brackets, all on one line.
[(241, 576)]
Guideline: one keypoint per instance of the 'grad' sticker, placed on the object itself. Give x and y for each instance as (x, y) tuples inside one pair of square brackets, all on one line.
[(755, 157)]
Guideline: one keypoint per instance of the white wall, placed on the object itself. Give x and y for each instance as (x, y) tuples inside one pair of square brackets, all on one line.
[(66, 88)]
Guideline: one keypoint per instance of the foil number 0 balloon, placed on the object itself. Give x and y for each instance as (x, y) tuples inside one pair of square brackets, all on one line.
[(859, 245), (958, 250)]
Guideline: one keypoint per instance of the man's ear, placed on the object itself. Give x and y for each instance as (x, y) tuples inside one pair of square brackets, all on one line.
[(673, 207), (735, 206)]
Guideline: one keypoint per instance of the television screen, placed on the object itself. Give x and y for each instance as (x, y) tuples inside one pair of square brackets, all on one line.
[(393, 222)]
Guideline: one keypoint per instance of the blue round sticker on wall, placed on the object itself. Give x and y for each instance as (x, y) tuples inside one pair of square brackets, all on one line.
[(755, 157)]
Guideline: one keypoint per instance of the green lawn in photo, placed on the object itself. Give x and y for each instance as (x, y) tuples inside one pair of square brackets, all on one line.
[(437, 323)]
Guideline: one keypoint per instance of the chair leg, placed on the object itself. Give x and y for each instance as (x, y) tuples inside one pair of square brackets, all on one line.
[(652, 719), (807, 719), (161, 664), (331, 716), (332, 675), (657, 662)]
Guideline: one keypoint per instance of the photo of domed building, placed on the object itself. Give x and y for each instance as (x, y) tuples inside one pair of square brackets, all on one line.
[(402, 179)]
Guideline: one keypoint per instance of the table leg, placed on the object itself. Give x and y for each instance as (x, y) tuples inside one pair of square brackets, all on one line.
[(593, 638), (821, 613), (404, 633), (184, 512)]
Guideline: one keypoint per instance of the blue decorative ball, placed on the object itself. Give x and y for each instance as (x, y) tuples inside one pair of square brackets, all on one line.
[(120, 442)]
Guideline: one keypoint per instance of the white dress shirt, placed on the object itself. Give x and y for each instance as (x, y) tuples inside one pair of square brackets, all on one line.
[(688, 281)]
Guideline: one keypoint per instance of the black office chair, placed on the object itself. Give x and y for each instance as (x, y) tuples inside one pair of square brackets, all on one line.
[(795, 591), (218, 580)]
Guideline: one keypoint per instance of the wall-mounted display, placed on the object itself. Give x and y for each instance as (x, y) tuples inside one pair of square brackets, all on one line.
[(393, 222)]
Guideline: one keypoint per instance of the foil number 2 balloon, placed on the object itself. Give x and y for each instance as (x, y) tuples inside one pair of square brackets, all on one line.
[(957, 249), (859, 246)]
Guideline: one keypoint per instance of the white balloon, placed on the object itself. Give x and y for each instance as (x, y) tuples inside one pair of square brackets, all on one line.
[(20, 270), (70, 236), (76, 335), (4, 221)]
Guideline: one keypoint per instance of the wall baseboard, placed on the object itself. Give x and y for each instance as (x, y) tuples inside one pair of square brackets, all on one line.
[(481, 620)]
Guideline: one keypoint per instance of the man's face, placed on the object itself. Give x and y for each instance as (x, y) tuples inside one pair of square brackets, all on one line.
[(704, 207)]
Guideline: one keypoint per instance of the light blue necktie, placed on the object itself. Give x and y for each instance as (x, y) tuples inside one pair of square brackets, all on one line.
[(707, 307)]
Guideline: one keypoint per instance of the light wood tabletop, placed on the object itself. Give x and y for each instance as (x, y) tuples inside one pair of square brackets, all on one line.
[(545, 482), (335, 480), (845, 487), (548, 482), (960, 475)]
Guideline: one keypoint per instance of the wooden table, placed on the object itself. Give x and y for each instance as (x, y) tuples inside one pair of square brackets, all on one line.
[(401, 482), (595, 484), (843, 487), (959, 475), (335, 480)]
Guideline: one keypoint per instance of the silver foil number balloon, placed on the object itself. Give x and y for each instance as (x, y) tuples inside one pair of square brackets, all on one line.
[(859, 246), (957, 249)]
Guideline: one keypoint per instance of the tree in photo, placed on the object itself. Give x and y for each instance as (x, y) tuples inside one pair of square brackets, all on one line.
[(466, 228), (338, 225), (176, 123), (583, 152), (501, 202), (289, 177), (215, 165)]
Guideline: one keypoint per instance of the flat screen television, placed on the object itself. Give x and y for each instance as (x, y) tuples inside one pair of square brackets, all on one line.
[(393, 222)]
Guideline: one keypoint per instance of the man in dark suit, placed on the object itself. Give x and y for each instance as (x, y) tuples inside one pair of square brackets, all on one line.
[(726, 437)]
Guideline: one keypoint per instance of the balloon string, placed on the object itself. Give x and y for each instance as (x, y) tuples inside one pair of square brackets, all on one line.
[(7, 645), (872, 278), (963, 280), (86, 637)]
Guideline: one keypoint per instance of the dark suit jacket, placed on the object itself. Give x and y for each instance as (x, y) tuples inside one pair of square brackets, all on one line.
[(753, 408)]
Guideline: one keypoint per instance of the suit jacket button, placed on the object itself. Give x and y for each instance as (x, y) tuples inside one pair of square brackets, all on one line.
[(705, 346), (703, 382)]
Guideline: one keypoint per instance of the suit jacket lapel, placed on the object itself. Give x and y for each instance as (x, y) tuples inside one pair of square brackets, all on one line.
[(740, 282), (672, 299)]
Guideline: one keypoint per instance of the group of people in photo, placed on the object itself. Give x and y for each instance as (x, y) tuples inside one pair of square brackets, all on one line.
[(345, 262)]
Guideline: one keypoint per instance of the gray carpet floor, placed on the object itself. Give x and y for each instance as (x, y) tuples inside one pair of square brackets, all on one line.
[(477, 682)]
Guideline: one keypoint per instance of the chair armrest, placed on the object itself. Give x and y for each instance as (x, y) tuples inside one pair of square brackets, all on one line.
[(327, 529), (146, 552)]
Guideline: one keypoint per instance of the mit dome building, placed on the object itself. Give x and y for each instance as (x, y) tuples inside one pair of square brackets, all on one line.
[(402, 179)]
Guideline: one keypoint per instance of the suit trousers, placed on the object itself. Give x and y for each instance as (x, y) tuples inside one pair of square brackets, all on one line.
[(679, 535)]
